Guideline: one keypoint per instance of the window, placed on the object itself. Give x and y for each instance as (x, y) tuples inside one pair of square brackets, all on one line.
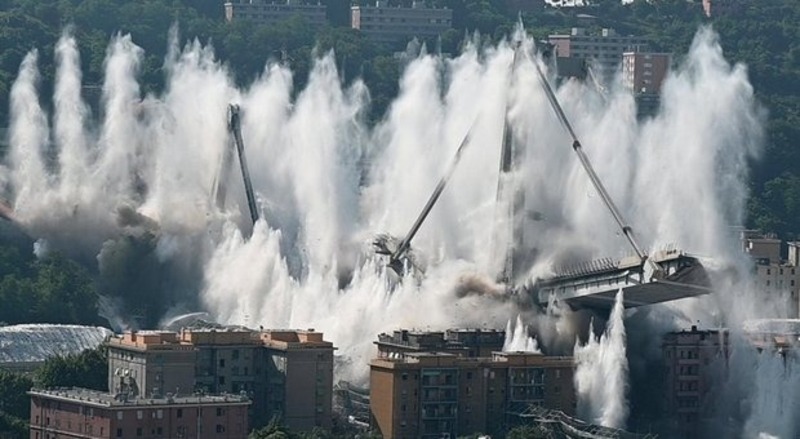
[(221, 362), (119, 432), (179, 414), (469, 375), (159, 431), (220, 428), (139, 431), (221, 381), (139, 414), (160, 414), (220, 411), (235, 354), (405, 376)]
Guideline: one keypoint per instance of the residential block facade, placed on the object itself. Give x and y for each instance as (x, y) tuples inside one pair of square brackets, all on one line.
[(386, 24), (314, 13), (285, 373), (437, 394), (87, 414), (603, 50)]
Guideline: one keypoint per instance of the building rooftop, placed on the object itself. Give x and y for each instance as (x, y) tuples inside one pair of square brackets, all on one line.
[(38, 342), (498, 359), (102, 399), (191, 338)]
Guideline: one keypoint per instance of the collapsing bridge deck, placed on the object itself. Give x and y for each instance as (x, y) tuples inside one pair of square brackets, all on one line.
[(595, 285)]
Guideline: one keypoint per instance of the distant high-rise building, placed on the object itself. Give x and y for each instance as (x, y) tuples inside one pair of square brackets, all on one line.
[(88, 414), (774, 275), (603, 51), (438, 394), (277, 11), (644, 72), (386, 24), (286, 373)]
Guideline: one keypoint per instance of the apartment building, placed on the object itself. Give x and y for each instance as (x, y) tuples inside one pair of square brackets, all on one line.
[(88, 414), (440, 394), (384, 24), (272, 12), (693, 358), (775, 276), (285, 373), (602, 51)]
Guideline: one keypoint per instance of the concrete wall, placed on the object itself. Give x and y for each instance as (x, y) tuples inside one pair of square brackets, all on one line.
[(153, 372)]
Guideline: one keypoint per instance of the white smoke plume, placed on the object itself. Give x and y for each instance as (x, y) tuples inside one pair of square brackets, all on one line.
[(518, 338), (601, 373)]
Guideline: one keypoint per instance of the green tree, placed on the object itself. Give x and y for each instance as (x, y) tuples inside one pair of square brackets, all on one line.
[(88, 370), (15, 405), (13, 398), (274, 430), (529, 432)]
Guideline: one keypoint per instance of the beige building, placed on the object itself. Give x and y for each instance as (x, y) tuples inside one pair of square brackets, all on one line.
[(88, 414), (774, 275), (430, 394), (286, 373), (603, 50), (386, 24), (314, 13)]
